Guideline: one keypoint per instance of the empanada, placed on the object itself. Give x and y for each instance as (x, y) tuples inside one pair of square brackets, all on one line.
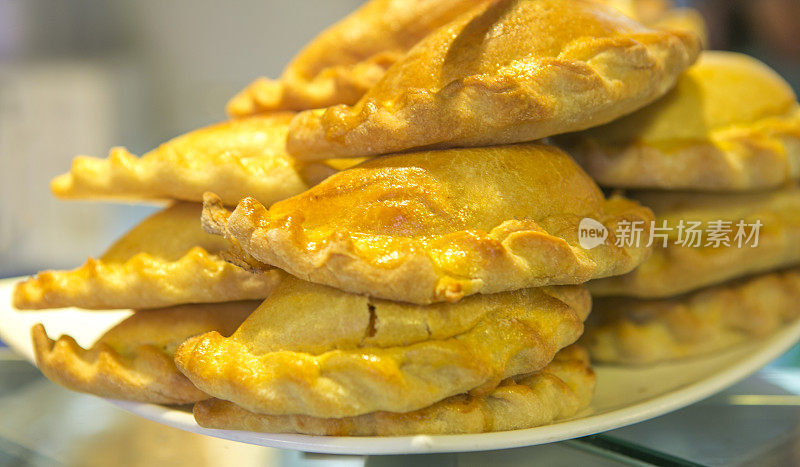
[(345, 60), (636, 331), (731, 123), (165, 260), (134, 359), (313, 350), (681, 268), (558, 391), (235, 159), (517, 70), (439, 225)]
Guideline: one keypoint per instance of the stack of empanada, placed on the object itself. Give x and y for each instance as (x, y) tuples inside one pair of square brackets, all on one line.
[(414, 242), (719, 155)]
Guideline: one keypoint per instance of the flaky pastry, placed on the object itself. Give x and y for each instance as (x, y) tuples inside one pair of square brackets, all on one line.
[(134, 359), (439, 225), (513, 71), (731, 123), (345, 60), (314, 350), (235, 159), (165, 260), (683, 267), (637, 331), (558, 391)]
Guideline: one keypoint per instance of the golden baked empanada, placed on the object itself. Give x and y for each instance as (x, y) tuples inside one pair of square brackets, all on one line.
[(134, 359), (439, 225), (348, 58), (235, 159), (637, 331), (314, 350), (558, 391), (731, 123), (165, 260), (513, 71), (683, 267)]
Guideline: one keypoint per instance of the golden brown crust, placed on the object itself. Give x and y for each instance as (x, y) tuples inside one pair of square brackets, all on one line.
[(678, 268), (491, 77), (439, 225), (345, 60), (635, 331), (165, 260), (731, 123), (134, 359), (234, 159), (558, 391), (314, 350)]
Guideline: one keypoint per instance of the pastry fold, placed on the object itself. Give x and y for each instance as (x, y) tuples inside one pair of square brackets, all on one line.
[(235, 159), (165, 260), (345, 60), (680, 268), (512, 71), (730, 124), (558, 391), (134, 359), (440, 225), (314, 350), (635, 331)]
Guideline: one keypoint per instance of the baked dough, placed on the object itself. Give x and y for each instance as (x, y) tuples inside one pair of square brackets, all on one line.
[(558, 391), (634, 331), (342, 62), (235, 159), (165, 260), (439, 225), (134, 359), (678, 269), (314, 350), (513, 71), (731, 123)]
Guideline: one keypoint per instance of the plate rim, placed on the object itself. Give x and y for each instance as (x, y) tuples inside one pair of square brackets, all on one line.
[(767, 349)]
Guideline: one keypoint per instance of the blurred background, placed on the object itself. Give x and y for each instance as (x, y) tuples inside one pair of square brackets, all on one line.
[(81, 76)]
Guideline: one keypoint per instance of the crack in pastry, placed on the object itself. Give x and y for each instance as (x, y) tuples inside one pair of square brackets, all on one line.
[(635, 331), (134, 359), (440, 225), (165, 260), (556, 392), (681, 268), (348, 58), (314, 350), (234, 159), (512, 71), (731, 123)]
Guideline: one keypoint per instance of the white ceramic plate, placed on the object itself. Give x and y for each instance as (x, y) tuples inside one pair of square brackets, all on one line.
[(624, 395)]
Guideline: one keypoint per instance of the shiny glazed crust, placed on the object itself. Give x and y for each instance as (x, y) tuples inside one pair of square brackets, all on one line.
[(440, 225), (510, 72), (347, 59), (314, 350), (133, 360), (678, 269), (634, 331), (558, 391), (731, 123), (166, 260), (234, 159)]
